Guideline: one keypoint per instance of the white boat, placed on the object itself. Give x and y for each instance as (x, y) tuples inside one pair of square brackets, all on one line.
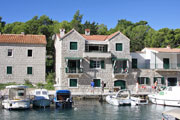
[(123, 97), (17, 98), (173, 114), (138, 101), (41, 98), (170, 96)]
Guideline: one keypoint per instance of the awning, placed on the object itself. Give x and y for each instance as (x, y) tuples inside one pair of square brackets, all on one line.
[(73, 58)]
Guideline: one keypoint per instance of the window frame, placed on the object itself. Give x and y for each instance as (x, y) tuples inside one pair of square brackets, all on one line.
[(76, 46), (117, 47), (69, 79), (11, 52), (136, 63), (144, 82), (28, 53), (98, 64)]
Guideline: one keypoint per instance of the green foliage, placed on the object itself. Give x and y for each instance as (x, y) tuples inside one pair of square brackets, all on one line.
[(28, 83)]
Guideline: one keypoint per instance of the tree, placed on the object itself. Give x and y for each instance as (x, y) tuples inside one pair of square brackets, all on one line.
[(76, 21), (102, 29), (2, 24), (92, 26)]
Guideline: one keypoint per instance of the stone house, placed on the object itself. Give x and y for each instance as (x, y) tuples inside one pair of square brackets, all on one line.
[(22, 58), (82, 58), (157, 64)]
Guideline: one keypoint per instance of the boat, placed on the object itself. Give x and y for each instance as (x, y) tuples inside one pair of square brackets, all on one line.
[(41, 98), (138, 101), (17, 98), (170, 97), (173, 114), (63, 99), (122, 97)]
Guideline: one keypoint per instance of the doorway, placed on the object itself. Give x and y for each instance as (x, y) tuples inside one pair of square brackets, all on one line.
[(166, 63), (172, 81)]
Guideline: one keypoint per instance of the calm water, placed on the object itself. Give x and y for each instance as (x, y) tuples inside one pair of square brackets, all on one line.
[(88, 110)]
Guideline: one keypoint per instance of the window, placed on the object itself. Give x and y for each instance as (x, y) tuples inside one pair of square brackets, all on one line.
[(143, 80), (29, 53), (97, 64), (9, 69), (73, 45), (97, 82), (134, 63), (29, 70), (160, 80), (119, 46), (10, 52), (73, 82)]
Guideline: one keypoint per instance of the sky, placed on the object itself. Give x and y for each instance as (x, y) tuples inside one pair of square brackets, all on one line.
[(158, 13)]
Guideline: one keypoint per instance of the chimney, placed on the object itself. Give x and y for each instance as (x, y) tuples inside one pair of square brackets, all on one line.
[(87, 31), (22, 33), (168, 46), (62, 32)]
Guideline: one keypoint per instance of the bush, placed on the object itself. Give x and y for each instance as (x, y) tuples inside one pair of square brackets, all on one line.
[(3, 85), (28, 83)]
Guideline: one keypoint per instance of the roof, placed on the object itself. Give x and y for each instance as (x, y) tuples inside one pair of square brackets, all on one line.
[(165, 50), (93, 37), (174, 113), (23, 39)]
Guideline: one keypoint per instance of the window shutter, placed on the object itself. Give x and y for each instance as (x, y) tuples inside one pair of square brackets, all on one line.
[(91, 63), (155, 79), (102, 64), (147, 80), (139, 80), (73, 45), (134, 63), (29, 70), (73, 82), (119, 47), (9, 70), (162, 80)]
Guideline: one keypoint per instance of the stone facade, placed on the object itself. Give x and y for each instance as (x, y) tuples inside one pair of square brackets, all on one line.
[(84, 79), (19, 61)]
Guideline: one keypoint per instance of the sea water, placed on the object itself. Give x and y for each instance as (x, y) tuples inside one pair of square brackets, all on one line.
[(88, 110)]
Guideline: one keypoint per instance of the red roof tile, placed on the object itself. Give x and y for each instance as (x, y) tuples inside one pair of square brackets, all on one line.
[(167, 50), (23, 39)]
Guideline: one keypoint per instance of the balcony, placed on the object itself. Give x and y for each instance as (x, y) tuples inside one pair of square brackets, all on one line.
[(97, 54), (74, 70), (167, 67)]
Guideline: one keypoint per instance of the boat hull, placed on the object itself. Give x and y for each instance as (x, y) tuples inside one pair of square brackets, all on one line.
[(41, 103), (16, 104), (165, 102), (64, 104), (117, 102)]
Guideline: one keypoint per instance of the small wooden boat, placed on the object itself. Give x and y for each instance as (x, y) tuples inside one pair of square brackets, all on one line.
[(122, 97), (63, 99), (41, 98), (17, 98)]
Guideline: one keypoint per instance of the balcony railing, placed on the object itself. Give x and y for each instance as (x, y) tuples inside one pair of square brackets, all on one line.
[(158, 66), (121, 70), (74, 70)]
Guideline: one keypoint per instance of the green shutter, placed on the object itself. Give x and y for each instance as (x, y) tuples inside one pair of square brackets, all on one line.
[(139, 80), (91, 63), (102, 64), (134, 63), (73, 82), (29, 70), (119, 47), (9, 69), (120, 83), (73, 45), (147, 80), (97, 83), (155, 79), (162, 80)]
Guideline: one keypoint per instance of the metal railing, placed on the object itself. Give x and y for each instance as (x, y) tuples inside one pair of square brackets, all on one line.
[(74, 70), (121, 70), (158, 66)]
